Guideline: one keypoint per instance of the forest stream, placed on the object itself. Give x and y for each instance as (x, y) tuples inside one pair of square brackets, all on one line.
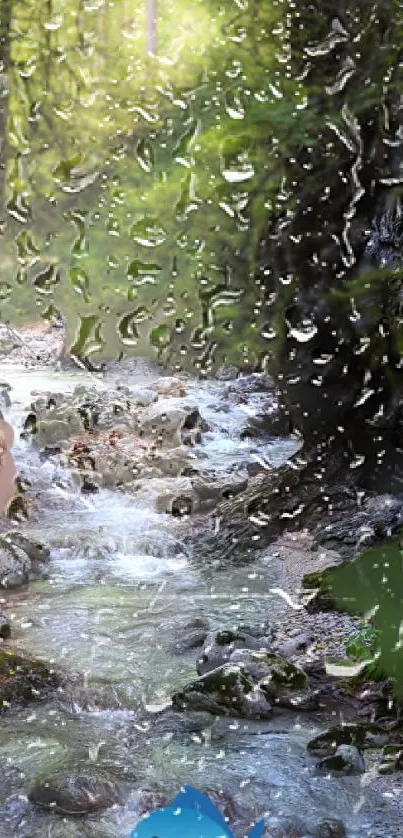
[(119, 590)]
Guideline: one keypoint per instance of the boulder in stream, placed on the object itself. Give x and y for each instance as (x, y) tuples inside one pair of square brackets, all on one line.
[(227, 690), (220, 645), (75, 794), (249, 684), (57, 430), (191, 634), (23, 680), (19, 555), (346, 760), (169, 495), (170, 420)]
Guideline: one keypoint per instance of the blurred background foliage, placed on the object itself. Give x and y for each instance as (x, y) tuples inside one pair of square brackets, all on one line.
[(135, 188)]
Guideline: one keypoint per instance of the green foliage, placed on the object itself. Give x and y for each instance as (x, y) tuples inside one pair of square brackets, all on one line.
[(372, 585), (113, 158), (362, 645)]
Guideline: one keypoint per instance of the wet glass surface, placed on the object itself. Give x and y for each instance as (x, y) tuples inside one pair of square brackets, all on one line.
[(201, 234)]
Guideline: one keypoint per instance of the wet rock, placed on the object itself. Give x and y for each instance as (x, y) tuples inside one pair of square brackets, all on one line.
[(15, 565), (48, 452), (347, 760), (35, 550), (392, 759), (331, 828), (168, 419), (359, 735), (284, 683), (5, 628), (255, 382), (18, 556), (170, 386), (271, 423), (227, 373), (190, 635), (176, 461), (150, 800), (142, 397), (108, 413), (90, 483), (51, 432), (170, 495), (295, 646), (378, 517), (9, 340), (211, 492), (85, 392), (193, 640), (115, 468), (248, 683), (23, 680), (226, 690), (76, 794), (220, 645)]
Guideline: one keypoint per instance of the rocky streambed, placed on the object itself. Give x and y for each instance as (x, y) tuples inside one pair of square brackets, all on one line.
[(155, 666)]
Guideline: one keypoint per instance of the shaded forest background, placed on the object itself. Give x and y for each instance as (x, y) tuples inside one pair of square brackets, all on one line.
[(135, 189)]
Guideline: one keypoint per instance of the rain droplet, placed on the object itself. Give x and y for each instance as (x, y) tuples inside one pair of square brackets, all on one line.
[(80, 282), (145, 155), (304, 333), (127, 329), (46, 280), (147, 232)]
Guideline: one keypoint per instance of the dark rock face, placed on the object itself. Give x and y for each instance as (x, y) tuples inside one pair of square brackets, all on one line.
[(23, 680), (75, 794), (377, 518), (19, 556), (359, 735), (347, 760), (330, 262), (5, 629), (190, 635)]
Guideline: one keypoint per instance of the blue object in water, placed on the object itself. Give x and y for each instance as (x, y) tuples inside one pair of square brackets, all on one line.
[(190, 815)]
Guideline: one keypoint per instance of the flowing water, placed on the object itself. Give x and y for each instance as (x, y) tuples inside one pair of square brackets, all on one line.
[(120, 584)]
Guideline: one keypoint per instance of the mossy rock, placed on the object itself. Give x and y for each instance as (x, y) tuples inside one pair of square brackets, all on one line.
[(221, 691), (225, 679), (23, 680), (274, 672), (360, 735)]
